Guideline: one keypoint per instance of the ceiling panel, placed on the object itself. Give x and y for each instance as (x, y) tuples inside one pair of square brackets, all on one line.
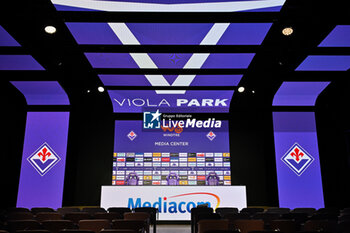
[(170, 61), (19, 62), (6, 39), (325, 63), (339, 37), (169, 33), (198, 80), (42, 92), (169, 5), (298, 93)]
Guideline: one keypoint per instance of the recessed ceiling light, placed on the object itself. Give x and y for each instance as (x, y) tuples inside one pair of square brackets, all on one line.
[(101, 89), (241, 89), (50, 29), (287, 31)]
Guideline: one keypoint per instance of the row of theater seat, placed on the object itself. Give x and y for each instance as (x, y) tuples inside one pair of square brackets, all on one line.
[(73, 219), (272, 219), (228, 219)]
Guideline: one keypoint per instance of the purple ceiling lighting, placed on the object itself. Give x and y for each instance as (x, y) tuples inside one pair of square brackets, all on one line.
[(19, 62), (167, 33), (170, 5), (6, 39), (298, 93), (141, 80), (42, 92), (15, 62), (171, 61), (325, 63), (339, 37)]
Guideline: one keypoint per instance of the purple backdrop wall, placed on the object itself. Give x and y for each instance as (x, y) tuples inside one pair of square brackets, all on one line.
[(297, 160), (42, 175)]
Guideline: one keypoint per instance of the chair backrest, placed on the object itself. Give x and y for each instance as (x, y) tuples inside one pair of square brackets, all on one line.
[(324, 216), (308, 211), (120, 210), (345, 210), (202, 216), (344, 217), (77, 216), (252, 210), (233, 216), (75, 231), (205, 216), (297, 217), (93, 210), (143, 216), (42, 216), (344, 226), (138, 225), (329, 210), (36, 210), (118, 231), (266, 217), (222, 231), (109, 216), (17, 209), (151, 210), (212, 224), (33, 231), (138, 216), (55, 226), (95, 225), (284, 225), (20, 216), (17, 225), (65, 210), (278, 210), (195, 211), (320, 225), (225, 210), (247, 225)]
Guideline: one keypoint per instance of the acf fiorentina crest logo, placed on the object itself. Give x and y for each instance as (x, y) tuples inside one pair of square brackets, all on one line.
[(211, 135), (132, 135), (297, 159), (43, 159)]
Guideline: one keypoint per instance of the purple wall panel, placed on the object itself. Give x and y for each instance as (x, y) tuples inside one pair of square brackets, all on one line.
[(297, 160), (43, 161)]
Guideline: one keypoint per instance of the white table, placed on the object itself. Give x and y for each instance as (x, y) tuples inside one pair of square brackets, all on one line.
[(173, 202)]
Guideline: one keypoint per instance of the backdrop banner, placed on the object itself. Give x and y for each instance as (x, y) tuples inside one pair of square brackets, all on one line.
[(297, 160), (43, 160)]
